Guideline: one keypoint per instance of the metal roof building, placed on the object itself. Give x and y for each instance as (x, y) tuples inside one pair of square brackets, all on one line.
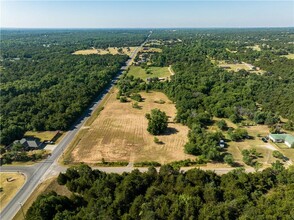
[(288, 139)]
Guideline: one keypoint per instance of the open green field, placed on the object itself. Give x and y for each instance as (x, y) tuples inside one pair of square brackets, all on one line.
[(160, 72), (289, 56)]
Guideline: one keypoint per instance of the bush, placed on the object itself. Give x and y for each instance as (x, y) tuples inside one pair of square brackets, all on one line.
[(159, 101), (188, 162), (289, 125), (157, 141), (112, 164), (249, 157), (238, 134), (137, 97), (229, 159), (147, 164), (222, 125), (235, 118), (278, 154), (136, 105), (123, 99), (2, 150), (61, 179)]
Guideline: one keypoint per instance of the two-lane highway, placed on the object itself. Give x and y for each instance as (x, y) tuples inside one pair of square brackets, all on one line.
[(35, 173)]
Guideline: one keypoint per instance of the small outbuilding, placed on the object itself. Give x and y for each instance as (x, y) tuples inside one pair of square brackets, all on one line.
[(288, 139)]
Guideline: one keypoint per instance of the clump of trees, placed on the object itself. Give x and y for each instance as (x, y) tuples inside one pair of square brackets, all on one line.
[(157, 122), (202, 142), (17, 153), (238, 134), (250, 156)]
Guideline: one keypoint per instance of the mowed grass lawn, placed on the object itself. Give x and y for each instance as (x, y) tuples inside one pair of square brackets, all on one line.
[(9, 188), (119, 133), (160, 72), (41, 135)]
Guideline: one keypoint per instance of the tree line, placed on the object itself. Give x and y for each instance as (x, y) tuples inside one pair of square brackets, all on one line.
[(170, 194)]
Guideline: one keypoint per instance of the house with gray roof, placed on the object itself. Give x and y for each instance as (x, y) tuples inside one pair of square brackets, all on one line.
[(28, 144)]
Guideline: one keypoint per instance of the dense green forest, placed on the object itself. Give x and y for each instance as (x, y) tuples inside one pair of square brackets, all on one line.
[(170, 194), (202, 90), (44, 86)]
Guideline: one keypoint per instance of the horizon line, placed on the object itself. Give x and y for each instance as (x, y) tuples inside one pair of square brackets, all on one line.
[(211, 27)]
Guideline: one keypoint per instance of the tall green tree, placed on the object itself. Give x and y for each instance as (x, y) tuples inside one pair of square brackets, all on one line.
[(157, 122)]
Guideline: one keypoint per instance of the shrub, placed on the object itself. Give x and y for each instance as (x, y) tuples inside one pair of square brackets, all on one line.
[(278, 154), (137, 97), (238, 134), (222, 125), (123, 99), (159, 101), (229, 159), (136, 105), (147, 164)]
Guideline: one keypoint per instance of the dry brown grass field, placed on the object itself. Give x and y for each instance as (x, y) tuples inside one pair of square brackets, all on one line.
[(109, 50), (119, 133), (10, 188), (44, 187)]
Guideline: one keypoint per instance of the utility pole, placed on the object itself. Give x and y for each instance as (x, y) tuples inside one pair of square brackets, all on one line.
[(22, 209)]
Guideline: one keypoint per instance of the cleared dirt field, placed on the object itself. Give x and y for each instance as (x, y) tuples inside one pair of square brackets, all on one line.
[(110, 50), (10, 187), (119, 133), (239, 66)]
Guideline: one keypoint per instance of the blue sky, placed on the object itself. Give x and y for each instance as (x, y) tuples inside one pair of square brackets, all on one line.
[(146, 14)]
